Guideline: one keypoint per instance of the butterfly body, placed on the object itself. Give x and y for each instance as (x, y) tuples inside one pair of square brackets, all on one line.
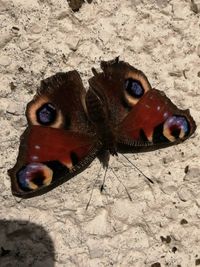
[(68, 127)]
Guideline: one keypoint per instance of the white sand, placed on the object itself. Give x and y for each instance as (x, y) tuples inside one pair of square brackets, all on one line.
[(160, 37)]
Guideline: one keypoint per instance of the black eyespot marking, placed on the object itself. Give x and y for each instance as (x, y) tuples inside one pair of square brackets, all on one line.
[(36, 175), (143, 136), (46, 114), (134, 88), (58, 169), (175, 128), (175, 132), (158, 136), (74, 158), (38, 179)]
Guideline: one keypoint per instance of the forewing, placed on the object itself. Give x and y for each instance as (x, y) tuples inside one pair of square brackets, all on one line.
[(58, 142), (110, 86), (141, 118)]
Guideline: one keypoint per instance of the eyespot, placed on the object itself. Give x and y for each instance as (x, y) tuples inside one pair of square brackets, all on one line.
[(34, 176), (176, 127), (46, 114), (134, 88)]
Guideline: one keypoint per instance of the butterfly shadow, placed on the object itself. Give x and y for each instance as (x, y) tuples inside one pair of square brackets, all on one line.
[(23, 243)]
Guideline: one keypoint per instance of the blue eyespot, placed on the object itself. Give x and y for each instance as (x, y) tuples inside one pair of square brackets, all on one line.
[(46, 114), (134, 88), (178, 126), (34, 176)]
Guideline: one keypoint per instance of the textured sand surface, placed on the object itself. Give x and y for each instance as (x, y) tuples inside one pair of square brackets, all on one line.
[(161, 226)]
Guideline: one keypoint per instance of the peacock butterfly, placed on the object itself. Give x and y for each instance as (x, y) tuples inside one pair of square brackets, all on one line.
[(68, 127)]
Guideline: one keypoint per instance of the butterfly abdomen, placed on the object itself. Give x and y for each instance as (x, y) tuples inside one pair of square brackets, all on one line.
[(99, 115)]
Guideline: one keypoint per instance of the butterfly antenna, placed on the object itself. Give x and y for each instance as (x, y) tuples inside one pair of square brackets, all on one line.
[(129, 196), (87, 206), (124, 164), (149, 179), (104, 178)]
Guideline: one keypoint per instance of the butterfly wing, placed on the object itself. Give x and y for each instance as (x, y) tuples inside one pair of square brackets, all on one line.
[(142, 118), (154, 122), (58, 142)]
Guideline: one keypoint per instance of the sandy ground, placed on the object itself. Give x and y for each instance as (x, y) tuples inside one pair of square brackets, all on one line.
[(161, 226)]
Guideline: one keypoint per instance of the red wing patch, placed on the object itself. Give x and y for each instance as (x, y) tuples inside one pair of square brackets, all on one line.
[(48, 144), (155, 119), (47, 155)]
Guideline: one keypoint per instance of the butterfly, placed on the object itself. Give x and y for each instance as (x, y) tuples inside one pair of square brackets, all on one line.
[(69, 127)]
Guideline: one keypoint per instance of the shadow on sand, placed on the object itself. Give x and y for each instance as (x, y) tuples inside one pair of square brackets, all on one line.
[(24, 244)]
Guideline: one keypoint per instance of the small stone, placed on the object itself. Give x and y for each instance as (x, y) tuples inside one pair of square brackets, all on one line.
[(183, 221), (193, 174), (15, 108), (36, 28), (5, 61), (5, 38), (174, 249), (12, 86), (195, 6), (169, 189), (75, 5), (23, 45), (15, 30), (162, 3), (3, 6), (167, 160), (184, 194), (177, 73), (95, 250), (197, 262), (186, 169), (156, 264), (166, 239)]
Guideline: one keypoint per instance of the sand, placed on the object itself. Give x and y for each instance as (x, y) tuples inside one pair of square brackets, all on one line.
[(160, 227)]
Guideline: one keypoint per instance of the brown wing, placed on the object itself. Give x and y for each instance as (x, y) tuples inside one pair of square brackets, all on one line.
[(109, 85), (140, 117), (59, 141), (154, 122)]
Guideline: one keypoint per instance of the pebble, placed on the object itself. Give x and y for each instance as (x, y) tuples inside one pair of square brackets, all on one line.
[(3, 6), (95, 250), (5, 61), (169, 189), (36, 28), (193, 175), (5, 38), (184, 194), (23, 45), (15, 30), (195, 6), (15, 108), (75, 5)]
